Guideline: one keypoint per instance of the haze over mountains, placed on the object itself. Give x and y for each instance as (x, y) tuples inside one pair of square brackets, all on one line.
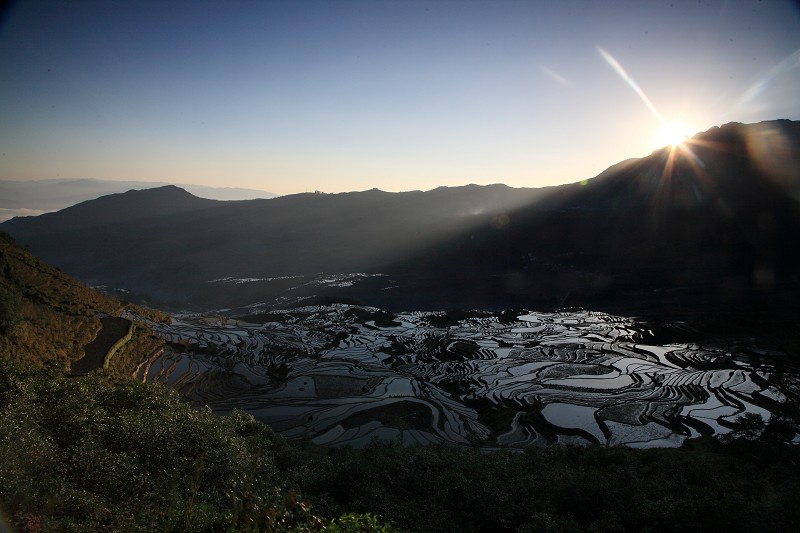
[(711, 226), (31, 198)]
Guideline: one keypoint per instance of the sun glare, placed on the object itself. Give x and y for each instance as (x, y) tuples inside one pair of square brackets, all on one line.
[(672, 134)]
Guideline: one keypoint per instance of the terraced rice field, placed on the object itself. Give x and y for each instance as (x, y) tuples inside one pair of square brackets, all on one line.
[(340, 375)]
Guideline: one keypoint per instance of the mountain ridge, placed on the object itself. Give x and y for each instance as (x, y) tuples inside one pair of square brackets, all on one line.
[(718, 214), (725, 226), (31, 198)]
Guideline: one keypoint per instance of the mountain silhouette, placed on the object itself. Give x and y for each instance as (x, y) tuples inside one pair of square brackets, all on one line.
[(706, 224), (709, 225), (28, 198)]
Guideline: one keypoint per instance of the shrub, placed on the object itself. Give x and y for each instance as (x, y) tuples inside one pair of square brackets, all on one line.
[(94, 456)]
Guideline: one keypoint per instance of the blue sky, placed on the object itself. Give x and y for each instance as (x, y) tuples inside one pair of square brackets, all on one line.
[(339, 96)]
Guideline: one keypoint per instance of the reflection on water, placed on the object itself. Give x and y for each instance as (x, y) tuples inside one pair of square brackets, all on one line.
[(346, 375)]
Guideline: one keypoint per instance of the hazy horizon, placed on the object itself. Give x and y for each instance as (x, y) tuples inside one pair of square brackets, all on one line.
[(291, 97)]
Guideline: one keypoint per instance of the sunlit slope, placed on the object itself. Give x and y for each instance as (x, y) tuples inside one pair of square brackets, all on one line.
[(50, 317)]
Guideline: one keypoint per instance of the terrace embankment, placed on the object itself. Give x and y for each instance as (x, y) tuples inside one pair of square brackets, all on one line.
[(115, 332), (336, 376)]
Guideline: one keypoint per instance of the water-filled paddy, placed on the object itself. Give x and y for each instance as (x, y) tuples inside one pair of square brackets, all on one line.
[(335, 375)]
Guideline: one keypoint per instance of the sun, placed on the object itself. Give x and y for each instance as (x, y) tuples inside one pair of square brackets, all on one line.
[(675, 136), (672, 134)]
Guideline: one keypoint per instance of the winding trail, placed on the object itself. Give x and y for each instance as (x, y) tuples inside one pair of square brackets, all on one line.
[(110, 337)]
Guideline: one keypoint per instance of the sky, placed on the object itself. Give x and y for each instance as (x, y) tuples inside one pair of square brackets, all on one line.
[(300, 96)]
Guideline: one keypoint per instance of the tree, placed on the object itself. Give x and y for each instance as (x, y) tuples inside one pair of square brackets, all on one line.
[(748, 426)]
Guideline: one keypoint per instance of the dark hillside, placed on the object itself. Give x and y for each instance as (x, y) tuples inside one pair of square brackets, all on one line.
[(130, 207), (709, 230), (105, 231), (43, 196), (175, 253)]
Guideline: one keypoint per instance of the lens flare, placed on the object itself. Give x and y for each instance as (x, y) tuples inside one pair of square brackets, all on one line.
[(631, 82), (674, 135)]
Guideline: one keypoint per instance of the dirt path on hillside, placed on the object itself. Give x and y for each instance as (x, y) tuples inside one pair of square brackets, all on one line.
[(114, 329)]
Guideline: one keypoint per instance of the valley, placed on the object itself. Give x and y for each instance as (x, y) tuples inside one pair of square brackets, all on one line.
[(320, 314)]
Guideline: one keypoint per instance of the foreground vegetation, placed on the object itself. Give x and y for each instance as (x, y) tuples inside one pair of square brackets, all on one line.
[(80, 454), (84, 455), (741, 487)]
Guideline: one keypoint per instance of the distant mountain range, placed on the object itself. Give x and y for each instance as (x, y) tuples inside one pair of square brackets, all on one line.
[(31, 198), (712, 226)]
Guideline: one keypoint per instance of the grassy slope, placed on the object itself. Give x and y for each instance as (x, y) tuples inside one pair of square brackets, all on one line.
[(58, 316)]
